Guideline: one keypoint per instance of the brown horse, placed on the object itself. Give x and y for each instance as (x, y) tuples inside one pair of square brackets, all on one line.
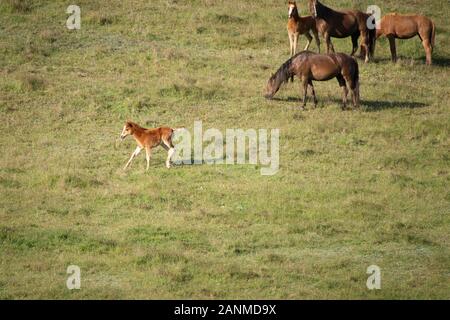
[(397, 26), (297, 26), (342, 24), (309, 66)]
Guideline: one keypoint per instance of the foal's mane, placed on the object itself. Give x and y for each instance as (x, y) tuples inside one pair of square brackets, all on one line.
[(135, 126), (295, 11)]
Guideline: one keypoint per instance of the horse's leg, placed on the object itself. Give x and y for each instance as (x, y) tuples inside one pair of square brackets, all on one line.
[(354, 93), (308, 36), (296, 35), (393, 49), (428, 49), (295, 40), (350, 75), (291, 44), (313, 92), (148, 153), (316, 37), (168, 146), (365, 46), (329, 43), (305, 91), (343, 85), (134, 154), (354, 43)]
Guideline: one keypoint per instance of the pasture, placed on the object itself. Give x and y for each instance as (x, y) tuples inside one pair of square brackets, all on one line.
[(355, 188)]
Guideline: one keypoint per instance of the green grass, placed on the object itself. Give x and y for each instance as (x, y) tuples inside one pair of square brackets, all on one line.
[(354, 188)]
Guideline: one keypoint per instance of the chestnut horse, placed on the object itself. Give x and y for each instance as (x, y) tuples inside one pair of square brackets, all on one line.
[(309, 66), (343, 24), (297, 26), (397, 26)]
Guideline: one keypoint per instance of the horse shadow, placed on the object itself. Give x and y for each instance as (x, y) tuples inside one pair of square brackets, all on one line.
[(437, 61), (377, 105), (366, 105), (441, 61)]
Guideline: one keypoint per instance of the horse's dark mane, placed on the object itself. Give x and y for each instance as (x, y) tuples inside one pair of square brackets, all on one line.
[(322, 10), (284, 72)]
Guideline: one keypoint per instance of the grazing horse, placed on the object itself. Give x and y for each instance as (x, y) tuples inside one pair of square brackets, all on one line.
[(309, 66), (297, 26), (397, 26), (148, 139), (342, 24)]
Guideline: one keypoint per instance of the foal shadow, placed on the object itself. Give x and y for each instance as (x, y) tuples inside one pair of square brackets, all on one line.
[(193, 161)]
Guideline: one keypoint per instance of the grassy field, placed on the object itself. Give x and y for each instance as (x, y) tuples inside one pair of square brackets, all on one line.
[(354, 188)]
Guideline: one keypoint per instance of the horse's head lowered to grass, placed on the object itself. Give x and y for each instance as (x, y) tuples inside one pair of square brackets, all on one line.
[(277, 79), (271, 88)]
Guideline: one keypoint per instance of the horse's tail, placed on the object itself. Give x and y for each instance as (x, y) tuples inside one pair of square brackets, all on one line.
[(433, 34), (355, 73), (355, 80), (372, 35)]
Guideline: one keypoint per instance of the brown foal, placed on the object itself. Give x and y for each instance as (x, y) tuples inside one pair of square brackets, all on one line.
[(297, 26), (148, 139)]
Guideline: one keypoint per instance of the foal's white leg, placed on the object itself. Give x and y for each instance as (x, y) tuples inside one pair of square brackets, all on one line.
[(147, 157), (169, 156), (296, 35), (291, 44), (134, 154)]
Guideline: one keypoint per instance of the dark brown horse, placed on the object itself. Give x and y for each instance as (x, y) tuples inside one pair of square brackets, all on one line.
[(309, 66), (398, 26), (343, 24)]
